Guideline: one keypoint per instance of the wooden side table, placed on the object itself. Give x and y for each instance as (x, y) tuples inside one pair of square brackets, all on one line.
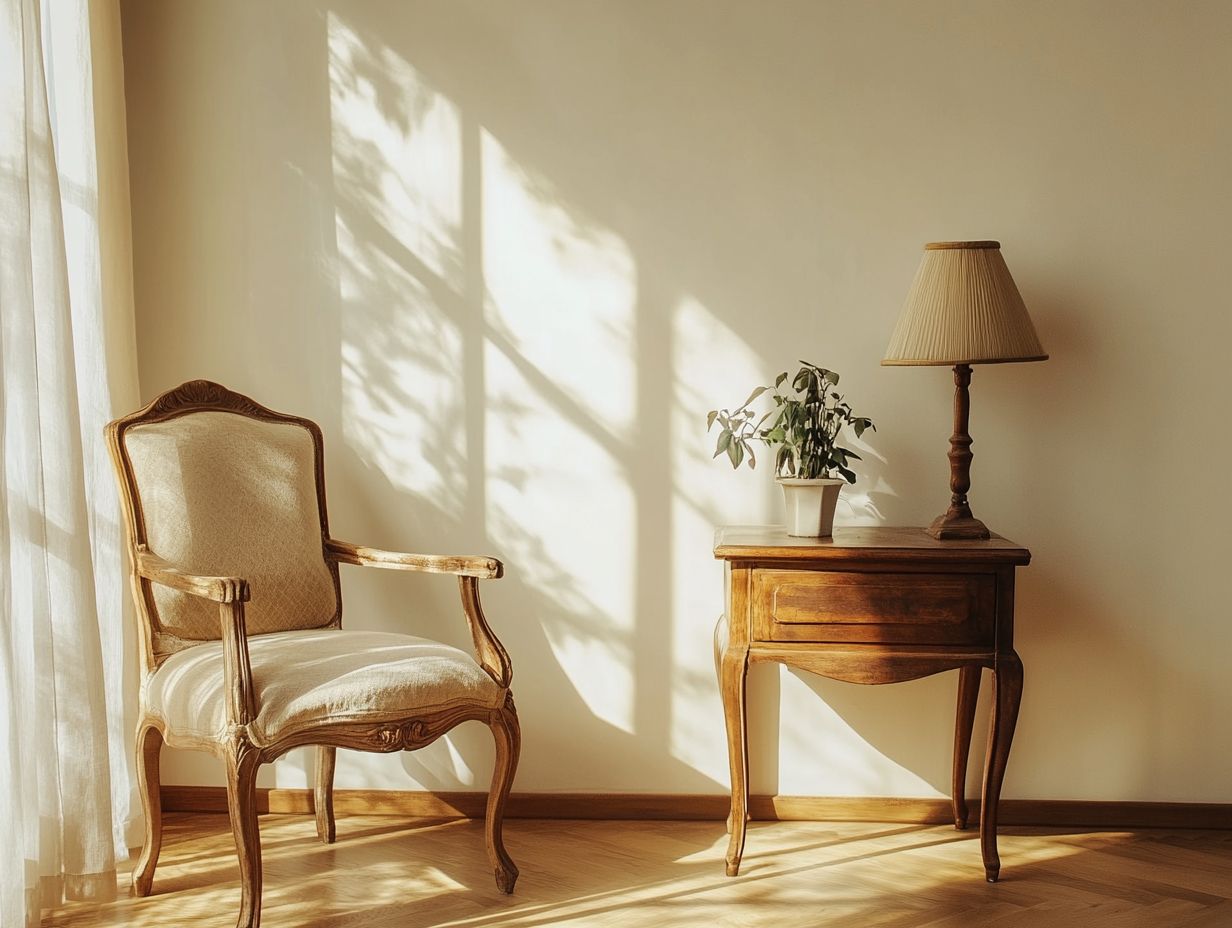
[(873, 605)]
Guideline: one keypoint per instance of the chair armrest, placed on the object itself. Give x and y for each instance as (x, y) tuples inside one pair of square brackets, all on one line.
[(230, 593), (482, 568), (217, 589), (469, 570)]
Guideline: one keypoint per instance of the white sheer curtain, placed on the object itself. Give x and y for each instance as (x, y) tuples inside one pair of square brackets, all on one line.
[(66, 365)]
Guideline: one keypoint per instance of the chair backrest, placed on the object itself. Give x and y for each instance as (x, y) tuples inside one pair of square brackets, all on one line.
[(218, 485)]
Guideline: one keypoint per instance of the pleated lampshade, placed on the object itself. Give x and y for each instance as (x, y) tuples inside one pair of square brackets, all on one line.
[(963, 308)]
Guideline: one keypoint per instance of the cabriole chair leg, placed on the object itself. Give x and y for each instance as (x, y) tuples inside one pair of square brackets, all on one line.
[(149, 782), (508, 735), (242, 765)]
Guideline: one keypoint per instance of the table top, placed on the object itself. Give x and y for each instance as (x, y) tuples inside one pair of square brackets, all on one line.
[(855, 542)]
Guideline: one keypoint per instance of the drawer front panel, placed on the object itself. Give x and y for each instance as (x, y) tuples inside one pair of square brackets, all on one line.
[(901, 608)]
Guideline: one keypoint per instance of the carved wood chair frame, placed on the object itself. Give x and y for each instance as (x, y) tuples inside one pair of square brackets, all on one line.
[(238, 751)]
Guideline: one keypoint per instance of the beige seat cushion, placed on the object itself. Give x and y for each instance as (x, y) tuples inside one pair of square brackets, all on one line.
[(306, 677), (225, 495)]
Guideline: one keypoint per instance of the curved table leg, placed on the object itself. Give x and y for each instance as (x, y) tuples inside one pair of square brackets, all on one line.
[(1007, 696), (968, 695), (733, 674)]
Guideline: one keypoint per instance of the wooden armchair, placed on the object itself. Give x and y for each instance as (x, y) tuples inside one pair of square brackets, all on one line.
[(236, 581)]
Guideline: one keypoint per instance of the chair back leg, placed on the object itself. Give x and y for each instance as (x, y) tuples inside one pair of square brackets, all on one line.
[(508, 735), (323, 793), (149, 783), (243, 761)]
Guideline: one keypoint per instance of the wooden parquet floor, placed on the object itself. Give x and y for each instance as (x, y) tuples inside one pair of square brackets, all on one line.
[(386, 872)]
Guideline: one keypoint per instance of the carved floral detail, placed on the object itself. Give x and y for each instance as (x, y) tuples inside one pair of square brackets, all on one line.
[(207, 393), (239, 747), (403, 737)]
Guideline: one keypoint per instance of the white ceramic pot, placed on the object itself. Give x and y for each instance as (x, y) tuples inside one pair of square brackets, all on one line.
[(810, 505)]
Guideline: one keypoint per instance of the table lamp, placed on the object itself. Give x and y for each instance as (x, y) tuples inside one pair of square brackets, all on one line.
[(963, 308)]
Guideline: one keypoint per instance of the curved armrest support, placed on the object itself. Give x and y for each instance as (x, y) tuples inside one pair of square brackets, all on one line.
[(481, 568), (215, 589), (230, 593), (493, 657), (236, 671)]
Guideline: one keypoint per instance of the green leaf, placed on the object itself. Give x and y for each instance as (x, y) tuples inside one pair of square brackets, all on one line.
[(754, 395), (801, 427)]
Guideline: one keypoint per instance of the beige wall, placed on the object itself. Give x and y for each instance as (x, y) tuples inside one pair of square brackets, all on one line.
[(508, 254)]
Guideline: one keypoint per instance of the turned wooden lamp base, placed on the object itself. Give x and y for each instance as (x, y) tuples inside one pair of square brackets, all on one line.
[(958, 522), (952, 526), (963, 308)]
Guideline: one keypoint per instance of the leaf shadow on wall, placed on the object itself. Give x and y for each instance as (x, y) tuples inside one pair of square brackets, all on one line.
[(436, 371), (517, 407), (474, 212)]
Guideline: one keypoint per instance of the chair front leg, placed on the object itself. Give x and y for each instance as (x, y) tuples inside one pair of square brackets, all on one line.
[(243, 761), (508, 735), (323, 793), (149, 750)]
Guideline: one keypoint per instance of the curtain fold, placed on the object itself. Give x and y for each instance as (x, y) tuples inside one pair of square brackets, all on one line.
[(65, 329)]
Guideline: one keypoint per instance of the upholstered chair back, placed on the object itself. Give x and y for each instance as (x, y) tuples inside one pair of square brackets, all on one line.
[(222, 493)]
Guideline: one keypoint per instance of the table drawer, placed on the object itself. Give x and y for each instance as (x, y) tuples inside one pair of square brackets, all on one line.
[(900, 608)]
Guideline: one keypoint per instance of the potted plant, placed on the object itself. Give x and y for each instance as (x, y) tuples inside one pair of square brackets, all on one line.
[(803, 430)]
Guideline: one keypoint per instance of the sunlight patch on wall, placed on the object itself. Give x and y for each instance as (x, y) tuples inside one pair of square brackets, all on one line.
[(831, 758), (397, 151), (401, 389), (397, 176), (561, 291), (560, 380), (713, 367), (710, 364), (561, 509)]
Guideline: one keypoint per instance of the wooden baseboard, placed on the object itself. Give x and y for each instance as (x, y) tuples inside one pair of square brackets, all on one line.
[(700, 807)]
